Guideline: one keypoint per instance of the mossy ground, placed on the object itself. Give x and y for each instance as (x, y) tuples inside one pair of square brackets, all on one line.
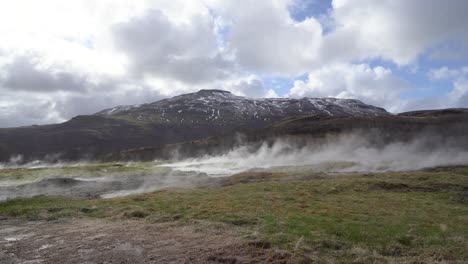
[(417, 216)]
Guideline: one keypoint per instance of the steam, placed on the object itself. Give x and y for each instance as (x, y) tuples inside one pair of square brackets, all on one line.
[(351, 152), (17, 161), (13, 162), (84, 183)]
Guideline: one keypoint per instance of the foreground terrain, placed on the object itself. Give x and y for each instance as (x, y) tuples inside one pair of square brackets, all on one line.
[(282, 216)]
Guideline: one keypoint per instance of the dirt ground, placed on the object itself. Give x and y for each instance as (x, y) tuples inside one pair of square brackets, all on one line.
[(128, 241)]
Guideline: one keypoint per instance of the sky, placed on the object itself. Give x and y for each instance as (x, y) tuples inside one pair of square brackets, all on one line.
[(59, 59)]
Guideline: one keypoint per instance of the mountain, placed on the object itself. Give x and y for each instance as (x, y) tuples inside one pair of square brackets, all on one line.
[(218, 107), (187, 117), (431, 129)]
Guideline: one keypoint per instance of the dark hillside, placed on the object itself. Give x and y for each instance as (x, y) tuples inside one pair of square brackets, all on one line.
[(449, 128), (187, 117)]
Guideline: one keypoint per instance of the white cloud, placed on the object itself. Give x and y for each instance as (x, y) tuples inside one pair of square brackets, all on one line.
[(396, 30), (447, 73), (26, 73), (458, 96), (265, 38), (373, 85), (250, 86), (31, 109), (459, 93), (445, 77), (158, 46), (76, 57)]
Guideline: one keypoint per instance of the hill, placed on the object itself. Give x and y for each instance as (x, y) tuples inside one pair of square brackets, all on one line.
[(183, 118), (445, 127)]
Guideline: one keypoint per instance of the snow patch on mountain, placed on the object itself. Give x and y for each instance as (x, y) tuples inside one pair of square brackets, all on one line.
[(207, 105)]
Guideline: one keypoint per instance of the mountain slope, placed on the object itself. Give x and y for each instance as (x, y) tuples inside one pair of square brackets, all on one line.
[(182, 118), (446, 127), (222, 108)]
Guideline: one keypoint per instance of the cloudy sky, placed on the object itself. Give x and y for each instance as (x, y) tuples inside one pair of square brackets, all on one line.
[(61, 58)]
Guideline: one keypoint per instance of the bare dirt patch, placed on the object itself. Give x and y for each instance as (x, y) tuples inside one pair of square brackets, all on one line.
[(128, 241)]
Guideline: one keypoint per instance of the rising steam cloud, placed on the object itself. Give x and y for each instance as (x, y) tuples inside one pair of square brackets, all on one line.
[(353, 152), (353, 149)]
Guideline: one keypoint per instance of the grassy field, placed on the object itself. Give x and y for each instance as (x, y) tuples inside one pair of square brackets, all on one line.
[(413, 217), (22, 175)]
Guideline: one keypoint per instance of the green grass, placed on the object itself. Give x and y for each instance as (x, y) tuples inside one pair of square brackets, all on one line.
[(370, 217), (27, 175)]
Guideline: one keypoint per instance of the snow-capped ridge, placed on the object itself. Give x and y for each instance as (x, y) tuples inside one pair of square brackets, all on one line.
[(222, 106)]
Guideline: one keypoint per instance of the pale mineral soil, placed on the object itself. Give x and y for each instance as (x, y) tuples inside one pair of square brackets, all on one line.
[(129, 241)]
